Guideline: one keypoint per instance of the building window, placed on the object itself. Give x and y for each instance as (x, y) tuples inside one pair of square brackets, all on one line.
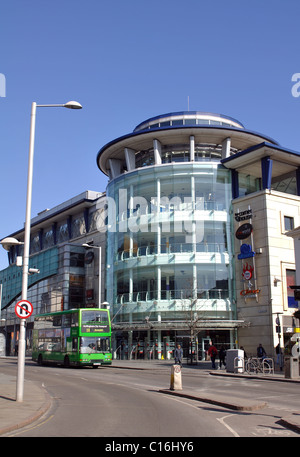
[(63, 233), (288, 223), (291, 281)]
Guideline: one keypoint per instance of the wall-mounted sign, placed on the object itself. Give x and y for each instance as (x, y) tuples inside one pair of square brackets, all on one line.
[(247, 272), (243, 215), (89, 257), (249, 293), (244, 231), (246, 252)]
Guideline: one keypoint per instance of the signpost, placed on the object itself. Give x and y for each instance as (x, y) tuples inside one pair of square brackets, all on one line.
[(23, 309)]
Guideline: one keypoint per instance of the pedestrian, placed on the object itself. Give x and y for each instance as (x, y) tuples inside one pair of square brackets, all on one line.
[(212, 352), (261, 352), (242, 349), (178, 354), (222, 355), (278, 356)]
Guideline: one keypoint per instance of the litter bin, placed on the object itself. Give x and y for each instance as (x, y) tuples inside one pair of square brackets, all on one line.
[(291, 367)]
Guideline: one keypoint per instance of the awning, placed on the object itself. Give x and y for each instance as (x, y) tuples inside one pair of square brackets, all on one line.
[(181, 325)]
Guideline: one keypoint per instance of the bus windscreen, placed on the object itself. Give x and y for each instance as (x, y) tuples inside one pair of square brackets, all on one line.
[(94, 321)]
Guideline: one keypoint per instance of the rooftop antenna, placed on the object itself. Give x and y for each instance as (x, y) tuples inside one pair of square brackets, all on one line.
[(188, 103)]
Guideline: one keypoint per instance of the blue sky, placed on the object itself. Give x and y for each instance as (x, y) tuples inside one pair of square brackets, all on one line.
[(126, 61)]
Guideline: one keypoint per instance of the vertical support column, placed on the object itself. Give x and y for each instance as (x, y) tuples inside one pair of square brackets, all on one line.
[(193, 199), (159, 339), (298, 180), (157, 152), (168, 287), (86, 219), (192, 148), (115, 167), (158, 282), (130, 159), (41, 233), (130, 215), (266, 171), (130, 285), (226, 148), (235, 184), (158, 224), (232, 339), (129, 343), (194, 236), (195, 284)]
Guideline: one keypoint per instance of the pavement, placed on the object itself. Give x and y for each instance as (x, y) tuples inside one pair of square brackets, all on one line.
[(36, 401)]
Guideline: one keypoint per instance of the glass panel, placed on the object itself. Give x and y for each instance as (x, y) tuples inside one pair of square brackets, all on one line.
[(291, 281), (78, 226), (94, 321), (62, 232), (190, 122), (288, 223), (93, 345), (48, 239)]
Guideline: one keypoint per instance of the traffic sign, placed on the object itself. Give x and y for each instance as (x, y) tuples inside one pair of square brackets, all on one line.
[(23, 309)]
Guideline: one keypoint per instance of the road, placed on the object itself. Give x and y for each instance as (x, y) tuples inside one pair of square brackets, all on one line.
[(114, 402)]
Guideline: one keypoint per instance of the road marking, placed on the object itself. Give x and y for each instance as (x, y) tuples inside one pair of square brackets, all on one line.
[(222, 421), (25, 429), (267, 431)]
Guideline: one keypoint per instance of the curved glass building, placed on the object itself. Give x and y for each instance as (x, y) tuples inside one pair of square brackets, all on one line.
[(170, 269)]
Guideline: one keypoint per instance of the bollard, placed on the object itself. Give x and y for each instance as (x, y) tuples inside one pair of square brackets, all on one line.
[(176, 383)]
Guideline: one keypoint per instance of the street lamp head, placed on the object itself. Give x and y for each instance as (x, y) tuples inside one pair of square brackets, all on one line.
[(86, 245), (10, 241), (72, 105)]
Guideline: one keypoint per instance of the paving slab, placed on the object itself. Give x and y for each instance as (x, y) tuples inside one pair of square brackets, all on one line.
[(15, 415)]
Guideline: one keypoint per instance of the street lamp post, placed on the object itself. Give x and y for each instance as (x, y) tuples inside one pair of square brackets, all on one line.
[(21, 352)]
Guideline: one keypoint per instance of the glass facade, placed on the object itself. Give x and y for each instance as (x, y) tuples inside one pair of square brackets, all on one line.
[(169, 244)]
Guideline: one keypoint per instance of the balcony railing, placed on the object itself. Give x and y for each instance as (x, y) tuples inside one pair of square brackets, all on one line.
[(174, 248), (177, 294)]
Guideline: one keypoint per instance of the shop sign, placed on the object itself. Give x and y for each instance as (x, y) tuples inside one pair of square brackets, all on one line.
[(246, 252), (244, 231), (249, 293), (247, 272), (243, 215)]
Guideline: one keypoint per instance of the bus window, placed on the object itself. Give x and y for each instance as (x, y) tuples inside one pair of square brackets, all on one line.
[(57, 321), (66, 320), (74, 344), (94, 321), (74, 320), (91, 344)]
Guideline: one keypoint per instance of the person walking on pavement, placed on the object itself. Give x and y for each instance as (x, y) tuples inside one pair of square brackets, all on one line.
[(222, 355), (212, 352), (278, 356), (178, 354), (261, 352)]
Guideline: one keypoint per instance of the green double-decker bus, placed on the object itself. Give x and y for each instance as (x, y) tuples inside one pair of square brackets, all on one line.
[(76, 337)]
